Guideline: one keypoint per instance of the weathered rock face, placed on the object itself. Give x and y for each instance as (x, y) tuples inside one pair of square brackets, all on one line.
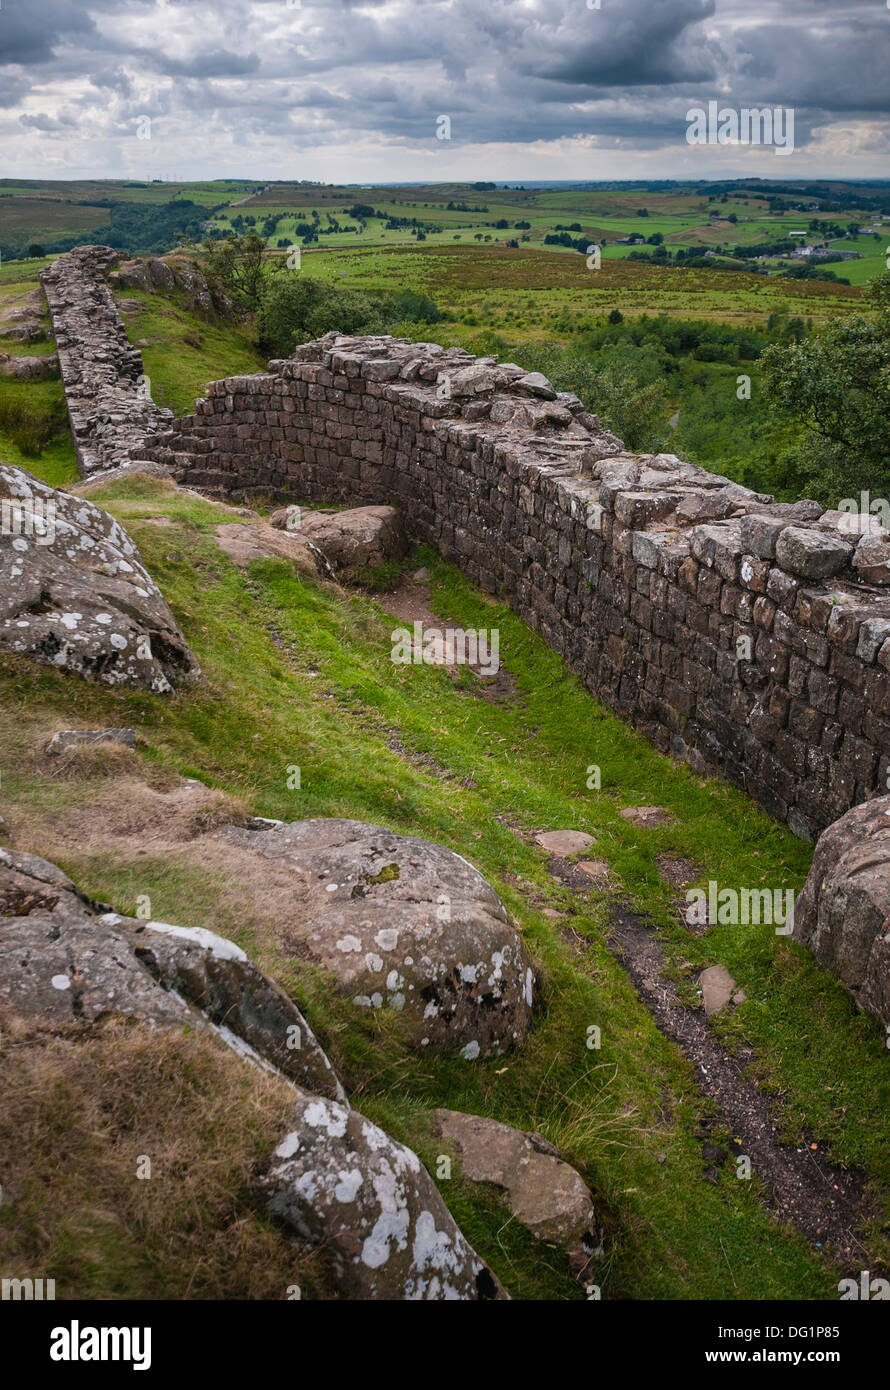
[(542, 1191), (64, 960), (351, 539), (107, 391), (843, 911), (75, 594), (22, 368), (154, 274), (405, 925), (338, 1179), (23, 319), (811, 554), (245, 541)]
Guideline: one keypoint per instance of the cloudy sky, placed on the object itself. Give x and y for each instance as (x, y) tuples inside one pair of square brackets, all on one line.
[(353, 90)]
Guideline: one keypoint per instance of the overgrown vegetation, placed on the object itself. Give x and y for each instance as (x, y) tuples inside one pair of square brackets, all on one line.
[(32, 419), (836, 384)]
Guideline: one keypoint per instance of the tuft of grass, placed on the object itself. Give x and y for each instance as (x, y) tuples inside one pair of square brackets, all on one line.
[(79, 1116), (32, 419)]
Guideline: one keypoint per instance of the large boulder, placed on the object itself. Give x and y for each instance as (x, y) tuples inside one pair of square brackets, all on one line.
[(65, 960), (74, 592), (246, 541), (843, 911), (543, 1192), (338, 1180), (349, 540), (404, 925), (22, 368)]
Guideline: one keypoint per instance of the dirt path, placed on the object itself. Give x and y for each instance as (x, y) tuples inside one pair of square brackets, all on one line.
[(823, 1201), (410, 603)]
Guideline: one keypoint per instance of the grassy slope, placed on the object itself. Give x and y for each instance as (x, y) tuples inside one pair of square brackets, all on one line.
[(615, 1111), (55, 462), (181, 352)]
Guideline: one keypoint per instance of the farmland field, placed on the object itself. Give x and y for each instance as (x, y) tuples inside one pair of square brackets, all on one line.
[(533, 287)]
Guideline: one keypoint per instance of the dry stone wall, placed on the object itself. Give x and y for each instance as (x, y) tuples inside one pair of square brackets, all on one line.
[(109, 406), (736, 632), (749, 637)]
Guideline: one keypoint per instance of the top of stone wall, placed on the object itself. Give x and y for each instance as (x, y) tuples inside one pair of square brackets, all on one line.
[(669, 508)]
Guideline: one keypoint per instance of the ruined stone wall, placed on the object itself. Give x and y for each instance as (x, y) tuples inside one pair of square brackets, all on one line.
[(109, 409), (734, 631), (749, 637)]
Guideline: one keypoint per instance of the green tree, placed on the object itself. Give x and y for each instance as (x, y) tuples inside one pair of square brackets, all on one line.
[(836, 384), (234, 268), (296, 308)]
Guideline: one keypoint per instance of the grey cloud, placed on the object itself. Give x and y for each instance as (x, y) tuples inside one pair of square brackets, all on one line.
[(507, 72)]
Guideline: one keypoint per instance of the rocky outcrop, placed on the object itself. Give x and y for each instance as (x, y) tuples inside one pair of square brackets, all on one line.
[(152, 274), (107, 392), (66, 960), (22, 368), (23, 318), (404, 925), (246, 541), (75, 594), (843, 911), (543, 1192), (337, 1179), (351, 539)]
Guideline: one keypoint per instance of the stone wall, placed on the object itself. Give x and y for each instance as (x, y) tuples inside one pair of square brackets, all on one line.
[(734, 631), (109, 407), (749, 637)]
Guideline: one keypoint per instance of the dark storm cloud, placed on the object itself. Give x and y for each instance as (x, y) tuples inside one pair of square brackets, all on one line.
[(219, 63), (517, 72), (633, 44), (30, 32)]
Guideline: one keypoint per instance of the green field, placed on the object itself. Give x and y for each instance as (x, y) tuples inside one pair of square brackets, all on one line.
[(529, 290), (685, 218)]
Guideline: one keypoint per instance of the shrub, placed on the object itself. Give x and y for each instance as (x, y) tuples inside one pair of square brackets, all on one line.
[(31, 424), (296, 308)]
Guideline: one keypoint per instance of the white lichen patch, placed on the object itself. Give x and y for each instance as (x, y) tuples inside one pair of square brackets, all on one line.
[(218, 946)]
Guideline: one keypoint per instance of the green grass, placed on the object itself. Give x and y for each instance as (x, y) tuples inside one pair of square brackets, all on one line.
[(536, 292), (184, 352), (34, 430), (614, 1111)]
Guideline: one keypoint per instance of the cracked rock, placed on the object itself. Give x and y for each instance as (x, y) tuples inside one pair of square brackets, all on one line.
[(64, 960)]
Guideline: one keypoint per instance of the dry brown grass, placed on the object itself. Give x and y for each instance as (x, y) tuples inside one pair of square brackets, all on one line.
[(76, 1114), (91, 762)]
